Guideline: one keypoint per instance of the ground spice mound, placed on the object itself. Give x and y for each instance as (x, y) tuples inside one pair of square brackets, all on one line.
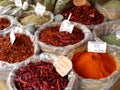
[(4, 23), (52, 36), (19, 51), (93, 65), (42, 76), (85, 14)]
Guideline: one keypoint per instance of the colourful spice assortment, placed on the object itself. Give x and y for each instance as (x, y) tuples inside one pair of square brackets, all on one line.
[(42, 76), (111, 39), (52, 36), (93, 65), (19, 51), (4, 23), (86, 14)]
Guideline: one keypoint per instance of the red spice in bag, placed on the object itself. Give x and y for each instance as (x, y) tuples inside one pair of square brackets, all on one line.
[(19, 51), (52, 36), (85, 14), (39, 76), (4, 23)]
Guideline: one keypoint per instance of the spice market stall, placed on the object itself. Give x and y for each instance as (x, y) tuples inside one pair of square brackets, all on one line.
[(44, 44)]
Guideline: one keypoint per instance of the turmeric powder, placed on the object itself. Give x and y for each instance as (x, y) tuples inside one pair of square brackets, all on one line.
[(93, 65)]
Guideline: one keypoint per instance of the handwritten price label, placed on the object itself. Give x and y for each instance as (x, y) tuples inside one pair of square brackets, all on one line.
[(99, 47), (63, 65)]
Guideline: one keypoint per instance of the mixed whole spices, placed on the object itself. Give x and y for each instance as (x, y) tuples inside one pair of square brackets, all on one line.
[(34, 18), (19, 51), (52, 36), (93, 65), (42, 76), (85, 14), (111, 39), (4, 23)]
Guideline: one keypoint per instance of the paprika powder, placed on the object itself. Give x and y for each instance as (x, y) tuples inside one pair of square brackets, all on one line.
[(4, 23), (93, 65)]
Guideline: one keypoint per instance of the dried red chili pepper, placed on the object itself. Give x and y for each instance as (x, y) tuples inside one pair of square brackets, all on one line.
[(86, 14), (52, 36), (4, 23), (19, 51), (28, 78)]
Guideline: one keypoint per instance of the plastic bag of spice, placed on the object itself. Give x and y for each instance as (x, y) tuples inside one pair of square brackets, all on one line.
[(109, 33), (31, 17), (87, 79), (13, 54), (52, 80), (51, 40), (6, 22)]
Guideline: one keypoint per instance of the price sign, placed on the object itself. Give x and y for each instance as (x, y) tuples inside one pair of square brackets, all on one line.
[(12, 37), (18, 3), (40, 9), (25, 5), (67, 25), (99, 47), (117, 35), (63, 65)]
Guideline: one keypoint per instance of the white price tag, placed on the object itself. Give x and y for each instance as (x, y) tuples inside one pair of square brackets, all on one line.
[(117, 35), (18, 3), (25, 5), (12, 37), (40, 9), (66, 26), (63, 65), (99, 47)]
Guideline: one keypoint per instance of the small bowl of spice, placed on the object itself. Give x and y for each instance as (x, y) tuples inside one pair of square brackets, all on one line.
[(31, 17), (52, 40), (109, 8), (96, 71), (108, 32), (85, 14), (42, 75), (6, 22)]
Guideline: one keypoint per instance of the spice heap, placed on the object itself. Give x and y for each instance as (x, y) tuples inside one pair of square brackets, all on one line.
[(19, 51), (4, 23), (86, 14), (42, 76), (34, 18), (111, 39), (93, 65), (52, 36)]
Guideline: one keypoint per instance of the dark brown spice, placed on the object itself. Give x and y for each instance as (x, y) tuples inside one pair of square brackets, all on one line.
[(4, 23), (19, 51), (85, 14)]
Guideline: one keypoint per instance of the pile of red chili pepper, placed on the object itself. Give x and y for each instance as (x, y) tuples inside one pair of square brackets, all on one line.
[(52, 36), (4, 23), (39, 76), (85, 14), (19, 51)]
